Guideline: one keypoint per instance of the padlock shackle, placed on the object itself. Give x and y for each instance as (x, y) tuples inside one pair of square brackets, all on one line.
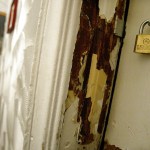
[(143, 25)]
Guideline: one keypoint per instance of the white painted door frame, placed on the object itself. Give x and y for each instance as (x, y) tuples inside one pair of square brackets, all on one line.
[(54, 50)]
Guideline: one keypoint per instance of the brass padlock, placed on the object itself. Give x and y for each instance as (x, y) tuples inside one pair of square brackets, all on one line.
[(142, 44)]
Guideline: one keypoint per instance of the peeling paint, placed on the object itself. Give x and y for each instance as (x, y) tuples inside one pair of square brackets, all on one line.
[(104, 61), (93, 67), (120, 9), (85, 136)]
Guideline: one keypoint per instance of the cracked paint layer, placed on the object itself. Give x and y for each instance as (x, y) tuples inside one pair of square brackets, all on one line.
[(92, 73)]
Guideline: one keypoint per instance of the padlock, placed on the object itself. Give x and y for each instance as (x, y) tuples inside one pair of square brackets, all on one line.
[(142, 44)]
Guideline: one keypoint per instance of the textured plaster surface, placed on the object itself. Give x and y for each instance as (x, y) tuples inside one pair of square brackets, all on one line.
[(16, 62)]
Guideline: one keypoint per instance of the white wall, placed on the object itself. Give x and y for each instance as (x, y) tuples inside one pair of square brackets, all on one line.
[(16, 63), (34, 73), (4, 5), (129, 121)]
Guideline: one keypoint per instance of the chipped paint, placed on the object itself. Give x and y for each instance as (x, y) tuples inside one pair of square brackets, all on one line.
[(92, 73), (85, 135), (120, 9)]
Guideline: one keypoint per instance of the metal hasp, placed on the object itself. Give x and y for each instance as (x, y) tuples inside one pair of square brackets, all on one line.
[(142, 44)]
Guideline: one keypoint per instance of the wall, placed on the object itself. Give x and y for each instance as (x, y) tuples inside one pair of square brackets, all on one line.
[(16, 63), (129, 121), (4, 5), (33, 72)]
